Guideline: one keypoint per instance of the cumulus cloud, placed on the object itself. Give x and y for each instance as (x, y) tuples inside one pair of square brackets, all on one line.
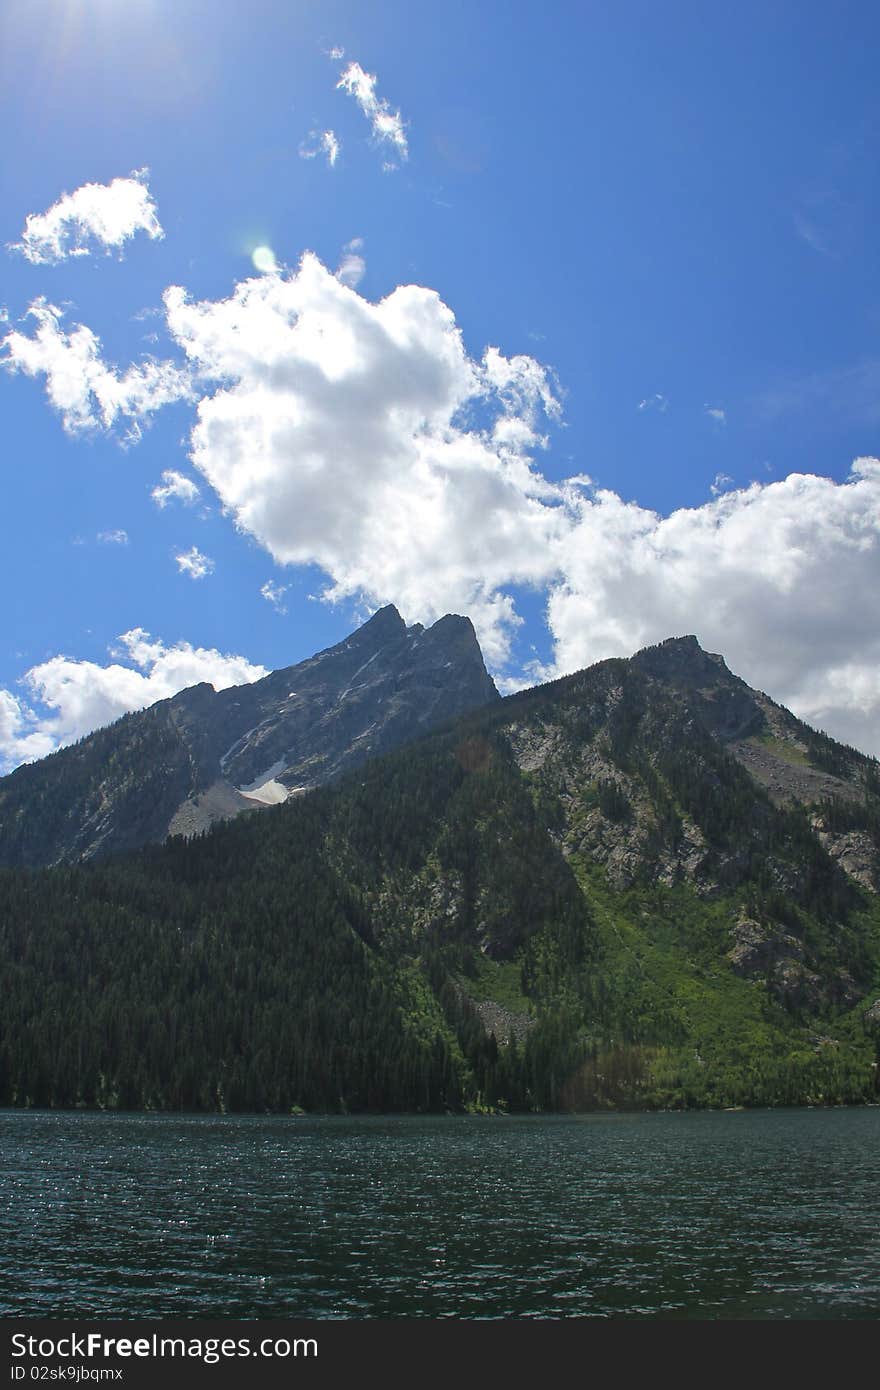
[(363, 438), (387, 125), (274, 593), (67, 699), (716, 413), (194, 563), (98, 214), (22, 739), (175, 486), (86, 392), (781, 578), (321, 142)]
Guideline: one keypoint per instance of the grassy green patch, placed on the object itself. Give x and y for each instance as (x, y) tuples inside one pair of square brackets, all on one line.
[(500, 982), (782, 749)]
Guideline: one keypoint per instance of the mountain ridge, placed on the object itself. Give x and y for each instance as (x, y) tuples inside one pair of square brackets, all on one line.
[(202, 755), (577, 897)]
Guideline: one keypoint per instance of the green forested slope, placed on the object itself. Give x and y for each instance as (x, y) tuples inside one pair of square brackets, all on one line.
[(578, 897)]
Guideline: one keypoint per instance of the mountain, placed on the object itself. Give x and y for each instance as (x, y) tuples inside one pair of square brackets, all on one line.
[(644, 884), (206, 755)]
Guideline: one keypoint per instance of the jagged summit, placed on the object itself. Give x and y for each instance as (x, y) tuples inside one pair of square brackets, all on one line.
[(642, 884), (382, 624), (205, 755), (680, 657), (729, 707)]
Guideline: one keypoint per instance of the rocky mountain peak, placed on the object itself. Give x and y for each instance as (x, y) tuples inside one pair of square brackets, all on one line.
[(682, 660), (384, 625), (727, 707), (205, 755)]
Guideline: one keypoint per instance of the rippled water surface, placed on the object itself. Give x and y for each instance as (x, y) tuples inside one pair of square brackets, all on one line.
[(751, 1214)]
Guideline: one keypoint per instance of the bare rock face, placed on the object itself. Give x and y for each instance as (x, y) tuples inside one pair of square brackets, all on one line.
[(854, 851), (759, 947), (768, 952), (206, 755), (503, 1022), (203, 809), (727, 707)]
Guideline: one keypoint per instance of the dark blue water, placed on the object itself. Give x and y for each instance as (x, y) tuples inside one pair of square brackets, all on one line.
[(743, 1215)]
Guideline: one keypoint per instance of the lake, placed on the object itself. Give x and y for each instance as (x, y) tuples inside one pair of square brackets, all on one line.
[(752, 1214)]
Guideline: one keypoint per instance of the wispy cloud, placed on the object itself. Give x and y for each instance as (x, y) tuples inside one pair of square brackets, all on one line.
[(722, 482), (174, 487), (112, 537), (716, 413), (97, 214), (825, 220), (85, 391), (655, 402), (387, 125), (812, 234), (851, 393), (352, 266), (274, 593), (321, 142), (194, 563)]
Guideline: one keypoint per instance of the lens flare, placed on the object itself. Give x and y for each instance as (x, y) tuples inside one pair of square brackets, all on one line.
[(263, 258)]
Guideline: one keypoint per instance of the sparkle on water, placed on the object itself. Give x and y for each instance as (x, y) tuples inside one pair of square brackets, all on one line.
[(768, 1214)]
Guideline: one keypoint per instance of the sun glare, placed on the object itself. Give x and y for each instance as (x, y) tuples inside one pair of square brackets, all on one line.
[(263, 258)]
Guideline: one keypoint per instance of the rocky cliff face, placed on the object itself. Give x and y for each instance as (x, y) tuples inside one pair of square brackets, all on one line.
[(206, 755), (643, 884), (670, 770)]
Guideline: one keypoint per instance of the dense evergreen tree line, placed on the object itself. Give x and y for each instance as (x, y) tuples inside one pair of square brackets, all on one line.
[(335, 953)]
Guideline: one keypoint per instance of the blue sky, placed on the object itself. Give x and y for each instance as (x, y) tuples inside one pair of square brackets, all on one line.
[(662, 217)]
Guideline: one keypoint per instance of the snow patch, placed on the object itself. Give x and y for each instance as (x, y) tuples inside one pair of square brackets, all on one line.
[(252, 788), (271, 793)]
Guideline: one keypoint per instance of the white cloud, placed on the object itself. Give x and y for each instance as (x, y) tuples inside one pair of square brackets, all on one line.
[(781, 578), (655, 402), (321, 142), (175, 487), (274, 593), (716, 413), (721, 483), (363, 438), (119, 537), (386, 124), (100, 214), (22, 740), (82, 388), (194, 563), (71, 698), (352, 266)]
